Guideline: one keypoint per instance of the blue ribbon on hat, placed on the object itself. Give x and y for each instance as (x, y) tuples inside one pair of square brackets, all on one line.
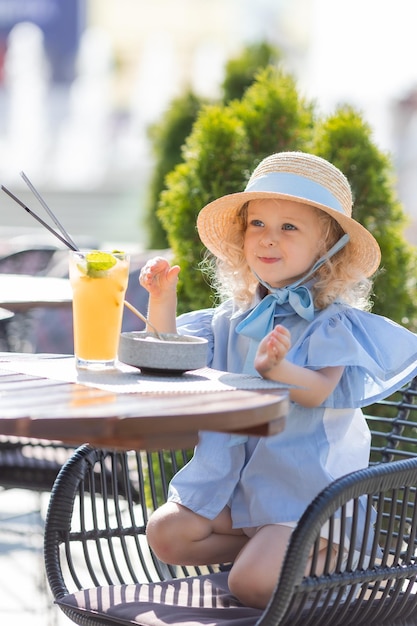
[(295, 185), (260, 320)]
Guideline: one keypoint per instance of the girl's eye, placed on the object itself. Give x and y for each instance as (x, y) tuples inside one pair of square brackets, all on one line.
[(288, 227), (256, 223)]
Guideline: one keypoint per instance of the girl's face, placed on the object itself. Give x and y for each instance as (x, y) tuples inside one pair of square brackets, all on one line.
[(282, 240)]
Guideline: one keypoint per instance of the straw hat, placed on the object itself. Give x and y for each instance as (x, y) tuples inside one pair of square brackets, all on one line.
[(294, 176)]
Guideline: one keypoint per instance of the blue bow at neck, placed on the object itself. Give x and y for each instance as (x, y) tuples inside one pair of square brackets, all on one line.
[(260, 320)]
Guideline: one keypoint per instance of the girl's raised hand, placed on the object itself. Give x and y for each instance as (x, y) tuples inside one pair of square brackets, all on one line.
[(272, 349), (158, 277)]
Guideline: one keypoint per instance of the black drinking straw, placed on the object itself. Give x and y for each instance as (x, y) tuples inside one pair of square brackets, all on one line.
[(48, 210), (69, 244)]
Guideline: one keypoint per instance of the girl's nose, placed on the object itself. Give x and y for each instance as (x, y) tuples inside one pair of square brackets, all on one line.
[(268, 240)]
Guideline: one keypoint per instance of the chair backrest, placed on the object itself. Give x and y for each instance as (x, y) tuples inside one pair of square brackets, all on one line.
[(31, 261), (102, 523), (5, 319), (31, 464), (373, 579), (393, 425)]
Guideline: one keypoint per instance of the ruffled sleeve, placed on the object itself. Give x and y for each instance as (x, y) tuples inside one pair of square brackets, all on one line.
[(378, 355), (198, 324)]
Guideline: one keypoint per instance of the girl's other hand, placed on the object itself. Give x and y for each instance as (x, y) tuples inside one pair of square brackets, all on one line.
[(158, 277)]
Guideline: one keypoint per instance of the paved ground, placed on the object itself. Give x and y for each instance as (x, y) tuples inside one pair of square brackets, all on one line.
[(24, 596)]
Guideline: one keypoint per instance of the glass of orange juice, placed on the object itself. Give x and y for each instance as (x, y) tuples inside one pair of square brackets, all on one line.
[(99, 282)]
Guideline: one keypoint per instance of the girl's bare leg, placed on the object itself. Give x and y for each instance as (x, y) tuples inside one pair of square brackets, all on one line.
[(181, 537), (256, 570)]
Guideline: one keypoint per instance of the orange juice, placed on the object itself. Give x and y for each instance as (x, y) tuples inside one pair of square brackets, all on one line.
[(98, 296)]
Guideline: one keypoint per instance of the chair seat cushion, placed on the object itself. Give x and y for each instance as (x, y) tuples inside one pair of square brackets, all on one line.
[(187, 601)]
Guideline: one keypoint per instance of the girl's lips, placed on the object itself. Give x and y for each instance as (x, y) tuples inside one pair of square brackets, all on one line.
[(268, 260)]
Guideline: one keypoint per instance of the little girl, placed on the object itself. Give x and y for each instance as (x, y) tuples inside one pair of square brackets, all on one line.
[(295, 268)]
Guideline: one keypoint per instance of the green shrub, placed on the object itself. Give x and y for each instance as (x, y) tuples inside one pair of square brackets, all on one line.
[(241, 70), (214, 159), (168, 135), (345, 140), (166, 138)]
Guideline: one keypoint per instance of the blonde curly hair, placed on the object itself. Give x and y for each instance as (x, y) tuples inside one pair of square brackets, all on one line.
[(337, 279)]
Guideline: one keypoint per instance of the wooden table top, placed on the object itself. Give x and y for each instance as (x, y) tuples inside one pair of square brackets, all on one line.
[(21, 292), (36, 405)]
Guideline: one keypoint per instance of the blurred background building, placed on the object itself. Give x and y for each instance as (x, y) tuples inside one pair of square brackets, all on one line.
[(81, 80)]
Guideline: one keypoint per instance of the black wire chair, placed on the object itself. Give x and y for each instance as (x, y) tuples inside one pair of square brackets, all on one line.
[(35, 262), (28, 464), (102, 572), (31, 464)]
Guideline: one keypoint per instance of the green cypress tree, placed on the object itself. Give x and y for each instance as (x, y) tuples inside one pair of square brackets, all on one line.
[(168, 135), (345, 139), (166, 138), (214, 159), (240, 71)]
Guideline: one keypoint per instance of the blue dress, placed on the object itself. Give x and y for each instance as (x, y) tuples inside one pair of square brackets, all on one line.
[(273, 479)]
